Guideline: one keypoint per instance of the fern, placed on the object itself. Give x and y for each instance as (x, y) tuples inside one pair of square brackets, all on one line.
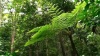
[(62, 21), (54, 10), (35, 30), (45, 31)]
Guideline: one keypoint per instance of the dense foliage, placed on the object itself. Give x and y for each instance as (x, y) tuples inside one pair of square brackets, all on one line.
[(50, 28)]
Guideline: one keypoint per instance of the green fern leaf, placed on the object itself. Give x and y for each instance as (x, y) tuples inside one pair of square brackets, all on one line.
[(60, 22)]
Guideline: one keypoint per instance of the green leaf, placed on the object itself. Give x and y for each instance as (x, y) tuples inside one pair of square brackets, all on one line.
[(62, 21), (44, 31), (35, 29)]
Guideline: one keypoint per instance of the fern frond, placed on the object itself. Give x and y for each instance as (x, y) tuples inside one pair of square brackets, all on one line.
[(45, 31), (62, 21), (35, 29), (54, 10)]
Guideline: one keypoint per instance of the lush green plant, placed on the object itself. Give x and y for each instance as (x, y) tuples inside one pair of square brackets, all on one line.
[(63, 21), (51, 27)]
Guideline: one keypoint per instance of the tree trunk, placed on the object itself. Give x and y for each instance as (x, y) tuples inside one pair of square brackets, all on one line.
[(12, 40), (61, 40), (37, 49), (30, 51), (47, 54), (74, 52), (0, 12), (13, 28), (59, 49), (13, 33)]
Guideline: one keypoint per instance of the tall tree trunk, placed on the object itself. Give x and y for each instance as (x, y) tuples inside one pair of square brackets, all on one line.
[(47, 54), (30, 51), (12, 35), (0, 12), (37, 49), (12, 40), (74, 52), (59, 49), (61, 40), (13, 28)]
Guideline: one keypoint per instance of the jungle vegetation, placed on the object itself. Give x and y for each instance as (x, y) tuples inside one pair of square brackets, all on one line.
[(49, 27)]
